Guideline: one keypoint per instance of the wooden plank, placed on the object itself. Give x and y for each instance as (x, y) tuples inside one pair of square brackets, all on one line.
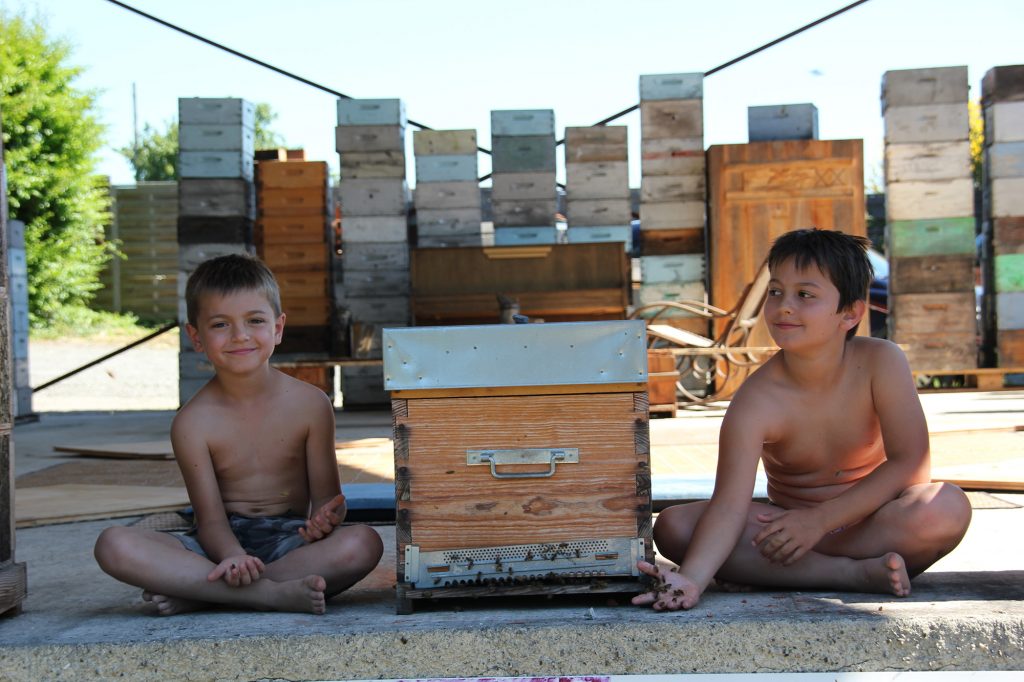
[(759, 191), (667, 242), (682, 118), (944, 236), (1003, 84), (155, 449), (291, 174), (433, 142), (931, 274), (936, 85), (82, 502), (927, 161), (452, 505), (937, 313), (1009, 272), (930, 200)]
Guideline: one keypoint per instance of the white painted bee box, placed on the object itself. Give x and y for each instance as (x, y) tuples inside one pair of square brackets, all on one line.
[(927, 123), (927, 161), (926, 200)]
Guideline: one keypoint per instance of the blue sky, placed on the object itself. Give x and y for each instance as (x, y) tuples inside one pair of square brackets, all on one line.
[(453, 61)]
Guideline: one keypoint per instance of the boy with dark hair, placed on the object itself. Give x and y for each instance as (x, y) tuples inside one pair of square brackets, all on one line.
[(837, 423), (256, 450)]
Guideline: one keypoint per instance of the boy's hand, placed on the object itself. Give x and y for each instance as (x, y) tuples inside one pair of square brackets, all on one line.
[(671, 591), (323, 521), (238, 570), (788, 534)]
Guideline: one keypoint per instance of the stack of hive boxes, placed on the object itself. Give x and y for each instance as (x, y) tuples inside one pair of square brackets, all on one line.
[(144, 222), (597, 185), (776, 122), (672, 192), (216, 201), (523, 194), (374, 291), (930, 217), (17, 289), (293, 240), (447, 196), (1002, 97)]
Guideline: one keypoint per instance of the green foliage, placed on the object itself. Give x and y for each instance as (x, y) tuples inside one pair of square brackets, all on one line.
[(265, 137), (79, 321), (155, 157), (51, 138)]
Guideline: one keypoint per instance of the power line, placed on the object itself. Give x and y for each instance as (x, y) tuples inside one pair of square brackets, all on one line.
[(421, 126)]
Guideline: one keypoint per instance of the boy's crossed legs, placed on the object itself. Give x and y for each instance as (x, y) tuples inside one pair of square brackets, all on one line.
[(879, 554), (175, 579)]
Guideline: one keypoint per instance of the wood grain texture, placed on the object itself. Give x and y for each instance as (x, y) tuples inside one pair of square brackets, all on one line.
[(759, 191), (931, 274), (452, 505)]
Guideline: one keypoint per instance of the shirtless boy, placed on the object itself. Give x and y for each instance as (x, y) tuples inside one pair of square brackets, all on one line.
[(837, 423), (256, 450)]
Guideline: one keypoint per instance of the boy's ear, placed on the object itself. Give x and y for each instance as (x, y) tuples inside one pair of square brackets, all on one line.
[(853, 315), (278, 328), (193, 335)]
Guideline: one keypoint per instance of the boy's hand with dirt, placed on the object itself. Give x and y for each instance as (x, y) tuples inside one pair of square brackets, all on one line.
[(324, 520), (671, 591), (238, 570)]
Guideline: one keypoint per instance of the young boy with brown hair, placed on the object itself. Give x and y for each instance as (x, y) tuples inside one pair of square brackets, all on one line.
[(838, 425), (256, 450)]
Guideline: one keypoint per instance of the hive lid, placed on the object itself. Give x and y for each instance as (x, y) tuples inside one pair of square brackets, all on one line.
[(553, 354)]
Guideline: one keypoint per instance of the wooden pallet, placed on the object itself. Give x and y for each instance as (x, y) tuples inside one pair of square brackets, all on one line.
[(980, 379), (665, 409)]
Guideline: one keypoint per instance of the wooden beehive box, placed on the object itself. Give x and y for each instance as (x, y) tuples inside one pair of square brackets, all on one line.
[(522, 458)]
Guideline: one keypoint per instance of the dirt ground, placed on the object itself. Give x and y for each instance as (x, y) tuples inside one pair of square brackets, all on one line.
[(143, 378)]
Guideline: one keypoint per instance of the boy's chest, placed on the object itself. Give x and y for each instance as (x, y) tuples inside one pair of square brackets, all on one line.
[(265, 446)]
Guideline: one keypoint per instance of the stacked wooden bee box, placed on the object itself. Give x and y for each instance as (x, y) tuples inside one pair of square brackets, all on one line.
[(1002, 97), (522, 458), (374, 291), (17, 292), (930, 217), (782, 122), (216, 201), (294, 242), (597, 185), (447, 196), (523, 195), (672, 193), (144, 222), (13, 575)]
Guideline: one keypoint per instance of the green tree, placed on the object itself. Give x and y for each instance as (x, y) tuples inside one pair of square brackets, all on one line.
[(155, 157), (977, 138), (51, 139)]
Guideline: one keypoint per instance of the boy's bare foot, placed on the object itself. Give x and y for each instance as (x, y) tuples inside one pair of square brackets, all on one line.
[(302, 596), (170, 606), (887, 573)]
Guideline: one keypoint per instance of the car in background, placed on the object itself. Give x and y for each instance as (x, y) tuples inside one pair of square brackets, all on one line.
[(878, 294)]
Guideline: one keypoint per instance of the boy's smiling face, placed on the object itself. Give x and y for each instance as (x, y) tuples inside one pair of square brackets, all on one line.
[(238, 331), (801, 307)]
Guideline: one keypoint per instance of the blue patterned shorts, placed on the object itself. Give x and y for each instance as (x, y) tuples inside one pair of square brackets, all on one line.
[(266, 537)]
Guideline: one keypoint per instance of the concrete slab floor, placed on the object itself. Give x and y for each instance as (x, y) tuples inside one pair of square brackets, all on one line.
[(967, 613)]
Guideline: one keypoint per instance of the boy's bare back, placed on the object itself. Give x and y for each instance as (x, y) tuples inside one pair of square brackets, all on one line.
[(259, 446)]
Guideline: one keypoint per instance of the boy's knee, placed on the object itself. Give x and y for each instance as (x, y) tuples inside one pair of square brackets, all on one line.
[(110, 546), (942, 511), (674, 528), (363, 546)]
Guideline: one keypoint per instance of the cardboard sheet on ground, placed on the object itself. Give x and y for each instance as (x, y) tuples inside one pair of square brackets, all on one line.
[(152, 449), (84, 502), (1006, 475)]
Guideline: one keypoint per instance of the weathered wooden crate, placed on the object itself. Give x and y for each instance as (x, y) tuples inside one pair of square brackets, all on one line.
[(522, 122), (584, 234), (599, 212), (525, 236), (672, 86), (1005, 160), (374, 196), (916, 161), (672, 156), (686, 267), (927, 123), (1008, 234), (668, 242), (1003, 84), (431, 142), (655, 188), (215, 164), (522, 459), (911, 87), (524, 212), (1004, 122), (292, 174), (446, 168), (597, 180), (1007, 197), (523, 153), (927, 200), (556, 282), (216, 111), (447, 195), (369, 138), (931, 274), (516, 186), (940, 237), (595, 144), (439, 222), (371, 112), (387, 164), (294, 229), (761, 190), (376, 228), (209, 137), (672, 118), (782, 122), (671, 215), (1010, 272)]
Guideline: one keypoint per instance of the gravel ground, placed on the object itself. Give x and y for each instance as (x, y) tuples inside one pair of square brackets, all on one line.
[(143, 378)]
